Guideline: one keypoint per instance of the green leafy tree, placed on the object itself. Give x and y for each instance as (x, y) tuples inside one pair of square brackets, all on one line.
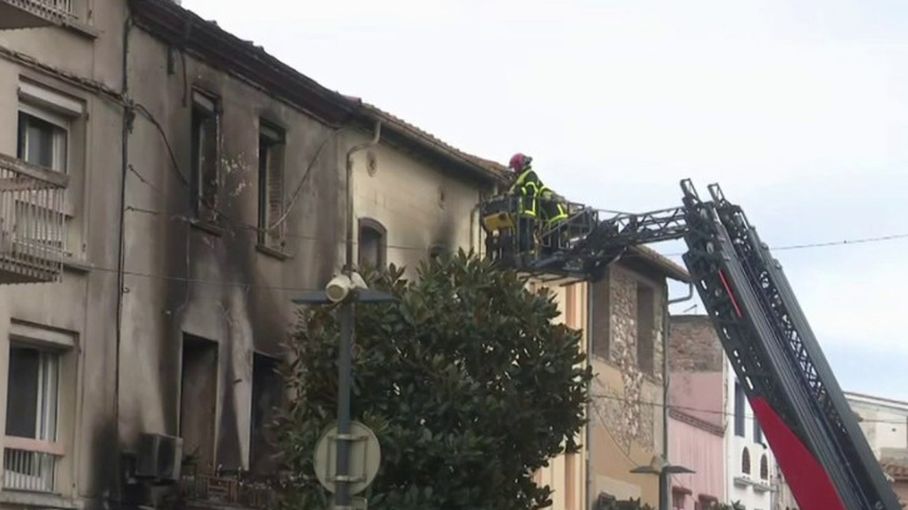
[(467, 381)]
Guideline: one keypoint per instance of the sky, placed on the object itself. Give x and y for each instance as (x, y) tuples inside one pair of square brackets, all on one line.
[(798, 109)]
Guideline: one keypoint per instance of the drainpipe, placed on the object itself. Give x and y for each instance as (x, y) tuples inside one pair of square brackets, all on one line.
[(664, 478), (348, 265), (589, 404), (116, 492)]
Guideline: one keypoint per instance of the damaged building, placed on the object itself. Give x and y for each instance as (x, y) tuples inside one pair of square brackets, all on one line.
[(179, 185)]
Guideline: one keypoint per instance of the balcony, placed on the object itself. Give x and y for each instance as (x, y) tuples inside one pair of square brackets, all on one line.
[(29, 465), (32, 227), (36, 13)]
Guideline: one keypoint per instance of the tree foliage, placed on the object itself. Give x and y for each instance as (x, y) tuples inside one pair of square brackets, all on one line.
[(468, 383)]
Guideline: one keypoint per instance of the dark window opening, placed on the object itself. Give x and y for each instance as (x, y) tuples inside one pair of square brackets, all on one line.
[(678, 498), (646, 319), (204, 178), (271, 186), (739, 410), (758, 432), (601, 314), (764, 467), (198, 398), (372, 244), (266, 397), (31, 405), (745, 461), (41, 142)]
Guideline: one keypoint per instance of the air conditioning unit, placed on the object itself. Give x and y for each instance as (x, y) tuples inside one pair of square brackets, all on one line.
[(159, 457)]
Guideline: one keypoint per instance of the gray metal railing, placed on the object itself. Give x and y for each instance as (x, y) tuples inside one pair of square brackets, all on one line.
[(32, 226)]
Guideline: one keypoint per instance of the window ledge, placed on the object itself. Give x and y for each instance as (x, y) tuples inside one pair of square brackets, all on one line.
[(76, 265), (82, 29), (272, 252), (33, 499), (207, 227)]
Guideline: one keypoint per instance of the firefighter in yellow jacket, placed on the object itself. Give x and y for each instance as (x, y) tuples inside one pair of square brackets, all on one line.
[(536, 204)]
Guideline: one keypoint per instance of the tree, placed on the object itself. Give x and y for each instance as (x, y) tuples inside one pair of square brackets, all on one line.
[(467, 382)]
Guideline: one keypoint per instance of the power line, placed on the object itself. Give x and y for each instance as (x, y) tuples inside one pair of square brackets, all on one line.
[(711, 411), (826, 244)]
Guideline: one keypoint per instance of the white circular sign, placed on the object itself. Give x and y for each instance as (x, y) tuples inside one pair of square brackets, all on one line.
[(365, 457)]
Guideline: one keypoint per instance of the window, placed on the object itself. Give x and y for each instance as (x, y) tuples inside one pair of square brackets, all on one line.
[(739, 410), (31, 450), (271, 185), (197, 401), (758, 432), (745, 461), (706, 502), (372, 243), (43, 138), (646, 318), (600, 316), (764, 468), (266, 396), (204, 178)]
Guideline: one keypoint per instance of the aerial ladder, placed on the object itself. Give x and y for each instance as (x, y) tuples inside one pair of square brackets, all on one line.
[(809, 425)]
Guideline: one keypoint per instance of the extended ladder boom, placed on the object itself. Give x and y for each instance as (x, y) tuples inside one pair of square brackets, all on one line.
[(776, 357)]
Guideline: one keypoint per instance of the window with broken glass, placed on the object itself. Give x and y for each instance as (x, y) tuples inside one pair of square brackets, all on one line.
[(204, 178)]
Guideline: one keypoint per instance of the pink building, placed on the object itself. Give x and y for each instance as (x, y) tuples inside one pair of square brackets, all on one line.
[(697, 414)]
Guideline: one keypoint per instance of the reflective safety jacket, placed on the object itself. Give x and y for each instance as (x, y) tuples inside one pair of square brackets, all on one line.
[(529, 189)]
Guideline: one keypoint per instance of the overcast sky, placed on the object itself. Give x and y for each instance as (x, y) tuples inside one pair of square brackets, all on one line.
[(799, 109)]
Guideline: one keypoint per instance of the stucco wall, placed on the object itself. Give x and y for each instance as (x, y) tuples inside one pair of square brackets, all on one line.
[(83, 305), (421, 204), (692, 447), (626, 423)]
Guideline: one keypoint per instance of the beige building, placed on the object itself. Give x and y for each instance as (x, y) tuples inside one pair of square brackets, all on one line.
[(884, 422), (192, 185), (623, 317)]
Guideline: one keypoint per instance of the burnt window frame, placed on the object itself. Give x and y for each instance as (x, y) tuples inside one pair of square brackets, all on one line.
[(272, 144), (206, 107)]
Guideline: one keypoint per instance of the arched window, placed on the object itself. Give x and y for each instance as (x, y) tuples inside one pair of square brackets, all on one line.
[(764, 468), (745, 461), (372, 243)]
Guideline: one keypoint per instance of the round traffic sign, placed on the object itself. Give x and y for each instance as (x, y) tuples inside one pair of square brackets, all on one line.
[(365, 457)]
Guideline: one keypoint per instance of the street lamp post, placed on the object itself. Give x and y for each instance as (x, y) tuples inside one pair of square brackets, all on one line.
[(661, 467)]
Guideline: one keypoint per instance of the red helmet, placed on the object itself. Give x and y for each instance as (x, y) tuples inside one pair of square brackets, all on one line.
[(520, 162)]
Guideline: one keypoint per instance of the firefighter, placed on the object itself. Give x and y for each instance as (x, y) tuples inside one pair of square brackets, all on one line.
[(536, 204)]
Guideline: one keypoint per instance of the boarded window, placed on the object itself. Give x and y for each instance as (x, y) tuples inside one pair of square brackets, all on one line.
[(646, 320), (600, 316), (266, 396), (271, 186), (198, 401), (739, 410), (204, 178), (372, 243)]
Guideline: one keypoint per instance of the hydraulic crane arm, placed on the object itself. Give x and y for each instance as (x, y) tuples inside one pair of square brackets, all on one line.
[(776, 357)]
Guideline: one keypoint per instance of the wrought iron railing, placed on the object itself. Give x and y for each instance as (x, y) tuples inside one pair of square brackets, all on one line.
[(32, 222), (234, 488), (32, 470)]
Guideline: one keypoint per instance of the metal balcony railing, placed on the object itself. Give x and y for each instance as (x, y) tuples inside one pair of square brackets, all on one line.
[(36, 13), (32, 226), (31, 467)]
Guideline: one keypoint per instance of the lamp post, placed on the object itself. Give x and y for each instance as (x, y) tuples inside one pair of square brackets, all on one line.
[(346, 290), (660, 466)]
